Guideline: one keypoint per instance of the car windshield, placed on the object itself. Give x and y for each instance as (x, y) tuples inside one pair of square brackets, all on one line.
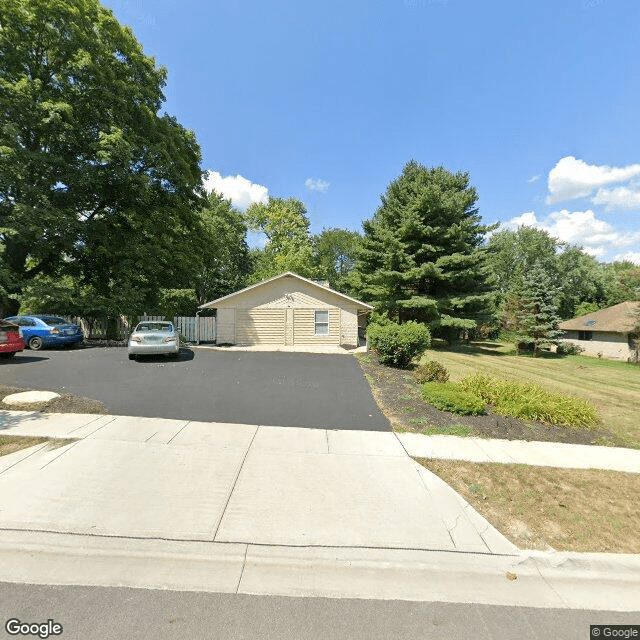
[(53, 320), (155, 326)]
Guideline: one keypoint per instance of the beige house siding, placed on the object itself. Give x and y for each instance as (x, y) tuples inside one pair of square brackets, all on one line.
[(283, 312), (605, 344), (226, 326), (305, 327), (349, 327), (260, 326)]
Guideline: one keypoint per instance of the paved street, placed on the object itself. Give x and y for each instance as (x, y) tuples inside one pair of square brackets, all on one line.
[(283, 389), (131, 614)]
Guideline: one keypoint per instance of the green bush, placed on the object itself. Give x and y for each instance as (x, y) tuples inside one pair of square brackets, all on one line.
[(432, 371), (569, 349), (531, 402), (448, 396), (398, 344)]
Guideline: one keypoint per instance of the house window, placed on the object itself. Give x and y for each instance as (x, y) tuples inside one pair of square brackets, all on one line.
[(322, 323), (585, 335)]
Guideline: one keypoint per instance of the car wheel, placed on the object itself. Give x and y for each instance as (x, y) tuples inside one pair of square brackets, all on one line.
[(7, 354), (36, 343), (132, 356)]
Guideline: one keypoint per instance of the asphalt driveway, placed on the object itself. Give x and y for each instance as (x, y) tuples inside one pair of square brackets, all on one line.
[(280, 389)]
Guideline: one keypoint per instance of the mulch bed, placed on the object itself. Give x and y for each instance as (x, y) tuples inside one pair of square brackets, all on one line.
[(398, 395), (66, 403)]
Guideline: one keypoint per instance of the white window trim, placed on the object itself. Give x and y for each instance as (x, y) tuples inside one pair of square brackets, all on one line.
[(316, 323)]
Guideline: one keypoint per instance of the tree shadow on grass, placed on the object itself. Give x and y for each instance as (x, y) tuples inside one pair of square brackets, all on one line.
[(481, 349), (498, 349)]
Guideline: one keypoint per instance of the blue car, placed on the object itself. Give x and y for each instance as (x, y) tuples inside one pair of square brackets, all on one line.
[(39, 331)]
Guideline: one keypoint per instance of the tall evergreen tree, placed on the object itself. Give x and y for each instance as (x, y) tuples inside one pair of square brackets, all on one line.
[(422, 257), (540, 316)]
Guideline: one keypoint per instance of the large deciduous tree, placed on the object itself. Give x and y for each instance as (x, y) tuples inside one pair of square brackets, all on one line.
[(94, 181), (576, 276), (223, 250), (288, 244), (422, 257), (334, 253)]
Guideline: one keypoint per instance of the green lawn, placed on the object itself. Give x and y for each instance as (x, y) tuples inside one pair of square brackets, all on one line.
[(614, 387)]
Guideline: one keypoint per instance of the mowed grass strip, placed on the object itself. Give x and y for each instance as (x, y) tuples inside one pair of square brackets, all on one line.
[(11, 444), (545, 507), (613, 387)]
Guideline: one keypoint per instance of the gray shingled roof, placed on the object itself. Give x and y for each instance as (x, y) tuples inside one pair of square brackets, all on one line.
[(621, 318)]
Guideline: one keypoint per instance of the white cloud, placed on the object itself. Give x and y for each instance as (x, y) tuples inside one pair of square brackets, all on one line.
[(572, 178), (527, 219), (534, 178), (631, 256), (241, 191), (598, 237), (620, 198), (596, 252), (316, 184)]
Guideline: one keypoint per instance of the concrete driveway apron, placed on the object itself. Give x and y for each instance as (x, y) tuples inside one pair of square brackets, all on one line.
[(230, 483)]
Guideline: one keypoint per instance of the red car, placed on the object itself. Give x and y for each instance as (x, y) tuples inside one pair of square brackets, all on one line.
[(10, 340)]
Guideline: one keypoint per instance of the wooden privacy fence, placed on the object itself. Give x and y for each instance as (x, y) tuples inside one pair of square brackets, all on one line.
[(192, 328)]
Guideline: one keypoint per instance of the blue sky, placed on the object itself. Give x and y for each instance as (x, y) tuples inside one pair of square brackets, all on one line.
[(326, 102)]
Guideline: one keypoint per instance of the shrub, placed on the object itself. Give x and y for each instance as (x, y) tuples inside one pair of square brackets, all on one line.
[(569, 349), (432, 371), (398, 344), (448, 396), (531, 402)]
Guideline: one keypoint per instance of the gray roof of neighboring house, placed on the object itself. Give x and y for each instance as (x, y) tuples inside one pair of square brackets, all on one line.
[(315, 283), (621, 318)]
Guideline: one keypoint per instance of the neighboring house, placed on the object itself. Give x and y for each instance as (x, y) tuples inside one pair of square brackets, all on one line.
[(289, 310), (608, 333)]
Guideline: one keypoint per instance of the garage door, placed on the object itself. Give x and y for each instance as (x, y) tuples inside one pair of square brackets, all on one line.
[(260, 326)]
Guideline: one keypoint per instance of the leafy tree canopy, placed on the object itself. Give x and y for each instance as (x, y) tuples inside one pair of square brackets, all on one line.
[(510, 254), (94, 182), (222, 247), (334, 254), (288, 248)]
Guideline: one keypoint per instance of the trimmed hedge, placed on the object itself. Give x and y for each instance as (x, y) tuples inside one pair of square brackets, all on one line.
[(532, 402), (431, 371), (398, 344), (448, 396)]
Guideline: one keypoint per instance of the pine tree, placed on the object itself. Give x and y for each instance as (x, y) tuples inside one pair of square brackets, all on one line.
[(540, 315), (422, 256)]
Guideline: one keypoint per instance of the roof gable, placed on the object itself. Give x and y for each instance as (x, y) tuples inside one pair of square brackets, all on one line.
[(621, 318), (288, 274)]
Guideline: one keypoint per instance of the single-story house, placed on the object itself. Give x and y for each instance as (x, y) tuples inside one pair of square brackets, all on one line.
[(289, 310), (608, 333)]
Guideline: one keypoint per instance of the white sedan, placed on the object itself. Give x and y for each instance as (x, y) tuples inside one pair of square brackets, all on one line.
[(153, 338)]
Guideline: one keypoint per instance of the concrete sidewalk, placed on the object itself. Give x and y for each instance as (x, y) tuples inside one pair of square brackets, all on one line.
[(546, 454), (328, 349), (173, 504), (231, 483)]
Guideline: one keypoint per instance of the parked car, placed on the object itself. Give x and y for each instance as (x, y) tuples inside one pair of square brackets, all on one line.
[(10, 340), (152, 338), (43, 330)]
